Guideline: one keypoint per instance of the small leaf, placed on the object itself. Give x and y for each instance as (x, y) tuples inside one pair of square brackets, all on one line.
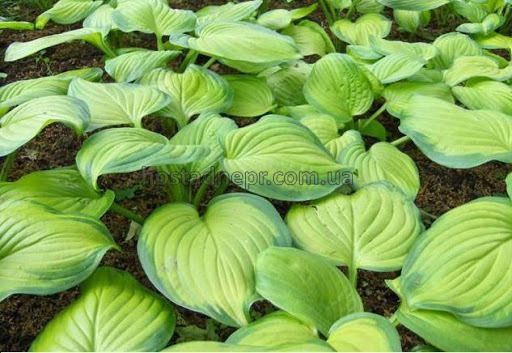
[(61, 189), (230, 12), (411, 21), (193, 92), (42, 252), (486, 27), (468, 67), (206, 264), (414, 5), (260, 156), (338, 87), (117, 103), (310, 37), (287, 83), (275, 19), (67, 12), (360, 32), (306, 286), (252, 96), (134, 65), (113, 313), (509, 185), (24, 122), (125, 150), (364, 332), (397, 67)]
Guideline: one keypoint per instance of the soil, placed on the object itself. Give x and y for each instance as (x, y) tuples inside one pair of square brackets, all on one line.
[(23, 316)]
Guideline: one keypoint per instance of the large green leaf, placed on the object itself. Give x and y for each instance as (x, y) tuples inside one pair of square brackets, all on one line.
[(489, 95), (117, 103), (134, 65), (279, 158), (114, 313), (461, 264), (195, 91), (252, 96), (208, 130), (468, 138), (152, 16), (67, 12), (18, 50), (306, 286), (414, 5), (24, 122), (287, 83), (240, 41), (337, 86), (310, 37), (364, 332), (396, 67), (411, 21), (42, 252), (206, 263), (361, 31), (124, 150), (382, 162), (452, 46), (438, 328), (372, 229), (468, 67), (61, 189)]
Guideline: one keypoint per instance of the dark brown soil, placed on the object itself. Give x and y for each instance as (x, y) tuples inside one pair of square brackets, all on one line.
[(23, 316)]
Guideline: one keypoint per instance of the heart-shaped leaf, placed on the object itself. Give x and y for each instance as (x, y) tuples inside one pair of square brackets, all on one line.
[(117, 103), (469, 138), (306, 286), (338, 86), (279, 158), (252, 96), (114, 313), (125, 150), (42, 252), (193, 92), (134, 65), (372, 229), (61, 189), (206, 263), (364, 332), (452, 46), (461, 264), (67, 12), (24, 122), (397, 67), (360, 32), (488, 95)]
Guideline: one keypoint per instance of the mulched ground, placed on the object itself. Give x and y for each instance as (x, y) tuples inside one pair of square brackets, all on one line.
[(23, 316)]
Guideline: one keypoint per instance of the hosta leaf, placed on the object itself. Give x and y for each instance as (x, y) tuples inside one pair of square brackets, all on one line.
[(469, 138), (411, 21), (258, 157), (489, 95), (437, 327), (396, 67), (388, 47), (310, 37), (471, 10), (382, 162), (101, 19), (338, 87), (114, 313), (468, 67), (152, 16), (42, 252), (24, 122), (277, 328), (67, 12), (124, 150), (372, 229), (288, 82), (18, 50), (509, 184), (398, 94), (364, 332), (487, 26), (368, 6), (460, 264), (494, 41), (211, 346), (227, 13), (117, 103), (322, 125), (360, 32), (206, 263), (61, 189), (452, 46), (240, 41), (275, 19), (414, 5), (132, 66), (306, 286), (252, 96), (208, 130), (193, 92)]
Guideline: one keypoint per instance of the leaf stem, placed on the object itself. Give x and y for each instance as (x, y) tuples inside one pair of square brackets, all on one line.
[(178, 192), (120, 210), (393, 319), (401, 141), (326, 12), (210, 63), (189, 59), (159, 42), (7, 166), (374, 116), (427, 214), (352, 275), (201, 192), (224, 183)]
